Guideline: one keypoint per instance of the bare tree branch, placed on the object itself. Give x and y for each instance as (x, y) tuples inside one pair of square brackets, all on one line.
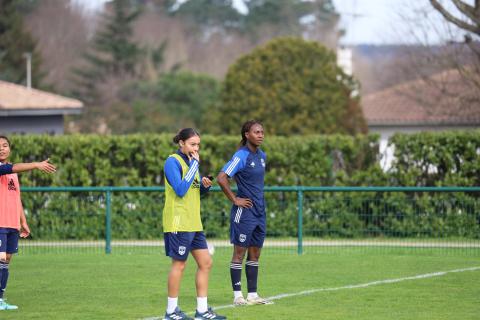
[(456, 21), (467, 10)]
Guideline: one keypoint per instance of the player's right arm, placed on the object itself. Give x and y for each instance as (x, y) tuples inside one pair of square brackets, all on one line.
[(229, 170), (44, 166), (173, 173), (24, 228)]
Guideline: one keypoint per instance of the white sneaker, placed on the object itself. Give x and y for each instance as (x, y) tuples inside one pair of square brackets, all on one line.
[(5, 306), (239, 301), (258, 300)]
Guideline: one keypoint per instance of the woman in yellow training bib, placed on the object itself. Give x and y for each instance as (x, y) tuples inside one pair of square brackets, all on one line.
[(182, 226)]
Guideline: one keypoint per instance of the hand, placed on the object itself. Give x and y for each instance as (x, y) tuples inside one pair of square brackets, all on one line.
[(45, 166), (207, 183), (24, 230), (194, 155), (243, 202)]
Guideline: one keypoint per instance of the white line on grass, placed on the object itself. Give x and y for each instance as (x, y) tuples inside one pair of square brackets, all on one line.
[(353, 286)]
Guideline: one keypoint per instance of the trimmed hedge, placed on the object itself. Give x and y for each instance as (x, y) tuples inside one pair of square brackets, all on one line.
[(137, 160)]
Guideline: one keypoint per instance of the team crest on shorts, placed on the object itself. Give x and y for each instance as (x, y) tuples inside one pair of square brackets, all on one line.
[(181, 250), (242, 237)]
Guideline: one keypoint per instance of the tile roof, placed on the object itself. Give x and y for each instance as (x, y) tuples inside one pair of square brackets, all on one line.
[(443, 99), (17, 97)]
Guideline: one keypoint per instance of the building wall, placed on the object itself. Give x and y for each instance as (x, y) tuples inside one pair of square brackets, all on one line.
[(51, 124), (387, 131)]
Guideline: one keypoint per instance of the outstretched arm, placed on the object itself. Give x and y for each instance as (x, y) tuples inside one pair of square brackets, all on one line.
[(44, 166)]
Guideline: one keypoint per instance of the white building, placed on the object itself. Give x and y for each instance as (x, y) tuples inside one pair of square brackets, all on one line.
[(442, 102)]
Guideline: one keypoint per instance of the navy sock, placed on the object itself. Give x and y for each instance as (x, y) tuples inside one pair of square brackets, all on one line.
[(251, 270), (236, 275), (3, 277)]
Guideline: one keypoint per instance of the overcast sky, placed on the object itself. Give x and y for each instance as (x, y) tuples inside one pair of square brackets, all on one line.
[(374, 21), (396, 21)]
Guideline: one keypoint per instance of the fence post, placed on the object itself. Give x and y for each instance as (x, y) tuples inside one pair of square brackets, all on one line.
[(108, 223), (300, 221)]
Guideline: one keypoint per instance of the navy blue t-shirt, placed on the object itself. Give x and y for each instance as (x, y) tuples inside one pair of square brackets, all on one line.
[(6, 168), (248, 170)]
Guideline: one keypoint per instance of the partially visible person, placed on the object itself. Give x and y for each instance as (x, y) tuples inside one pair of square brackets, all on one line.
[(13, 223), (8, 168)]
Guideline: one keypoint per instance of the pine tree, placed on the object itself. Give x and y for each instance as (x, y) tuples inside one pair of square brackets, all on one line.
[(15, 42), (113, 54)]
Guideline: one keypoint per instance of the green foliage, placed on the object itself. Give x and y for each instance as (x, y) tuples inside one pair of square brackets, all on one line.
[(283, 16), (15, 41), (286, 15), (137, 160), (294, 87), (437, 159), (207, 13), (176, 100)]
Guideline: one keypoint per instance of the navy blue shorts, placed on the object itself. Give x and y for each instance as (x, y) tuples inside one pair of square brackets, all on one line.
[(179, 244), (9, 240), (246, 228)]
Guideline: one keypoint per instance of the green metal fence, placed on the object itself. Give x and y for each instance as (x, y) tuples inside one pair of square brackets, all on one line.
[(299, 219)]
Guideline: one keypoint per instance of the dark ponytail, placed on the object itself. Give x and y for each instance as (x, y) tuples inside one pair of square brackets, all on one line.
[(185, 134), (245, 128)]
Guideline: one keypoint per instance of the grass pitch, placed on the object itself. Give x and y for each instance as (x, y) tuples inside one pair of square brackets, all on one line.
[(132, 285)]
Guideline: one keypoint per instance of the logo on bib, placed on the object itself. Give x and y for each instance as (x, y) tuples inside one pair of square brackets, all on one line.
[(11, 185), (263, 162), (252, 164), (242, 237), (181, 250)]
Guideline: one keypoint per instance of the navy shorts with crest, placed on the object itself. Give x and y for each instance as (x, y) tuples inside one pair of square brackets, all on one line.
[(179, 244)]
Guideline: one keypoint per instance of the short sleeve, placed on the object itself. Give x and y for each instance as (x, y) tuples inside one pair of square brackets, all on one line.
[(235, 164)]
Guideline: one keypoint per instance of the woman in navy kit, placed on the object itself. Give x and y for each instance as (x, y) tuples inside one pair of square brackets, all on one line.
[(247, 217)]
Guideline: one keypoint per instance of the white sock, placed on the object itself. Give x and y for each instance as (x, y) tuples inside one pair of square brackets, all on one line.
[(252, 295), (202, 304), (237, 294), (172, 304)]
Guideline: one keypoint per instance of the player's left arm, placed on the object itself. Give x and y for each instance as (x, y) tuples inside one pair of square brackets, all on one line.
[(206, 184), (24, 229), (44, 166)]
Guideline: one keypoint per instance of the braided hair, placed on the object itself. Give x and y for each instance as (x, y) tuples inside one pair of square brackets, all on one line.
[(245, 128)]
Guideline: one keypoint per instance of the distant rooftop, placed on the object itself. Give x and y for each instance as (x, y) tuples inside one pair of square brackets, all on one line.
[(443, 99), (16, 99)]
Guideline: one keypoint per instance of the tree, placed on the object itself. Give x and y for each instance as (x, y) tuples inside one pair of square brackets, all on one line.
[(470, 21), (114, 57), (61, 30), (207, 28), (15, 42), (467, 19), (445, 60), (294, 87), (176, 100)]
